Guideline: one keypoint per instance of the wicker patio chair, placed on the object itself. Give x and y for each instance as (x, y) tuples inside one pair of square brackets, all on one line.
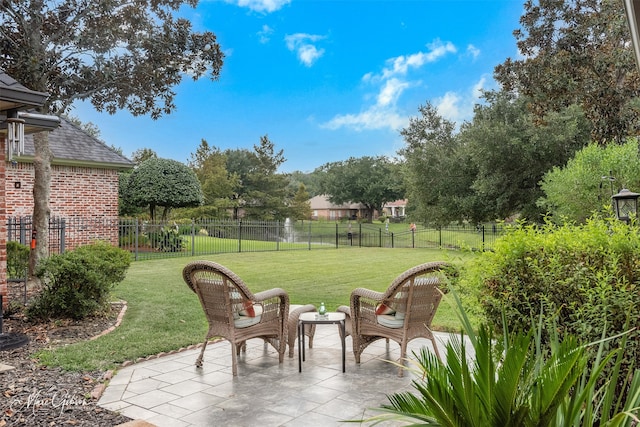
[(402, 313), (234, 312)]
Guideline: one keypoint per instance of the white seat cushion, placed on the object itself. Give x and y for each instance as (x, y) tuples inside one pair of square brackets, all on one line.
[(390, 321), (246, 321)]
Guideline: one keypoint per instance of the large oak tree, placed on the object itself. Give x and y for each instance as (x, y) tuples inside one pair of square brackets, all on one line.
[(116, 54), (577, 52), (371, 181)]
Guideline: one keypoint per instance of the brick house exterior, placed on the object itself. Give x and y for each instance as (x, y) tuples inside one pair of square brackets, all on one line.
[(322, 208), (84, 184)]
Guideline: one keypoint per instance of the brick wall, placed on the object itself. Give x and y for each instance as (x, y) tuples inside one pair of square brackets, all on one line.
[(81, 195), (3, 228)]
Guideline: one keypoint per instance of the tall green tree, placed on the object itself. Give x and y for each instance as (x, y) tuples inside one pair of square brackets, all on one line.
[(300, 207), (438, 174), (577, 52), (116, 54), (218, 185), (372, 181), (265, 189), (163, 183), (511, 153), (310, 181), (142, 154), (262, 191), (581, 187)]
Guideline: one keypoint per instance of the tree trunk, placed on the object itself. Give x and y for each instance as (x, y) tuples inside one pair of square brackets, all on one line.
[(41, 212)]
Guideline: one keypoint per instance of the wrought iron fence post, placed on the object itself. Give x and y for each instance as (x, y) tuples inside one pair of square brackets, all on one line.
[(63, 226), (277, 235), (23, 231), (136, 239), (239, 235), (309, 235), (440, 237), (193, 237), (10, 233), (337, 231), (392, 242)]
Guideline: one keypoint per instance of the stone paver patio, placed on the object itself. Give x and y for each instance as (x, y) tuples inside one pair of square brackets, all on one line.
[(171, 391)]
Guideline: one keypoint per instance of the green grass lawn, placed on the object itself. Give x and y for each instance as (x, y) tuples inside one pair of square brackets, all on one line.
[(164, 315)]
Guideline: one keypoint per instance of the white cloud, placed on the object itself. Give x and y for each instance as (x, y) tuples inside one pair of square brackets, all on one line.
[(401, 65), (391, 83), (375, 117), (264, 34), (263, 6), (391, 91), (458, 107), (473, 51), (303, 45)]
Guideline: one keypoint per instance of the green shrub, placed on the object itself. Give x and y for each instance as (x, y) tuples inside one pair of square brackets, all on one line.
[(17, 260), (583, 277), (166, 239), (78, 283)]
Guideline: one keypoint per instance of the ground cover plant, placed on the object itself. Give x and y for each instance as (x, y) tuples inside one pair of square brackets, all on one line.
[(164, 315), (514, 381)]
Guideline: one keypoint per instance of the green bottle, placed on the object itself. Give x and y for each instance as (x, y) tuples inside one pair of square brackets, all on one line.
[(322, 310)]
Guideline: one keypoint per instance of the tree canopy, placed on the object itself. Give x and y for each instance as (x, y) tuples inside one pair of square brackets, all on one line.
[(573, 192), (163, 183), (577, 52), (372, 181), (436, 177), (118, 54), (264, 189), (511, 153), (218, 185)]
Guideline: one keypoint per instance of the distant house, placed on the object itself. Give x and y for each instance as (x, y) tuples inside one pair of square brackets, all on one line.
[(395, 209), (84, 183), (322, 208)]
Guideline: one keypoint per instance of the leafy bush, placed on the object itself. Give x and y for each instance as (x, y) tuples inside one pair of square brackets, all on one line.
[(17, 260), (166, 239), (583, 277), (78, 283)]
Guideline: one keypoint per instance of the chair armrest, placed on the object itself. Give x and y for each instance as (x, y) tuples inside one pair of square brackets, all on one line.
[(366, 293), (271, 293)]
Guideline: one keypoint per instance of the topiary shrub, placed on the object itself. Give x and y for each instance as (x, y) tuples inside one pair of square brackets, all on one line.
[(583, 279), (78, 283)]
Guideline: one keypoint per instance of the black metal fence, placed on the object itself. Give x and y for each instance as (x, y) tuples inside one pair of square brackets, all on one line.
[(152, 240)]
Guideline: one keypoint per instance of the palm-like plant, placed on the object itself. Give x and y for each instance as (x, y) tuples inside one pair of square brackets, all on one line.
[(512, 381)]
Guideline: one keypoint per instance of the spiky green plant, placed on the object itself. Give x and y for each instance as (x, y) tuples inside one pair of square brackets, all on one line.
[(513, 381)]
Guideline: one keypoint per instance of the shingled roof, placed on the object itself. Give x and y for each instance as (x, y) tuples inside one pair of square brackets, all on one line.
[(14, 95), (70, 145)]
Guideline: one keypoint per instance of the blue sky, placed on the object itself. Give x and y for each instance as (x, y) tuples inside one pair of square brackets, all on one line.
[(325, 79)]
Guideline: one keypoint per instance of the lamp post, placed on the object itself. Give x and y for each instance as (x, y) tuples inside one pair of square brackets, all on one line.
[(625, 204)]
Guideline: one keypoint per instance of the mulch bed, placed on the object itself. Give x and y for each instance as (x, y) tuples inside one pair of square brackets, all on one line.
[(34, 395)]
